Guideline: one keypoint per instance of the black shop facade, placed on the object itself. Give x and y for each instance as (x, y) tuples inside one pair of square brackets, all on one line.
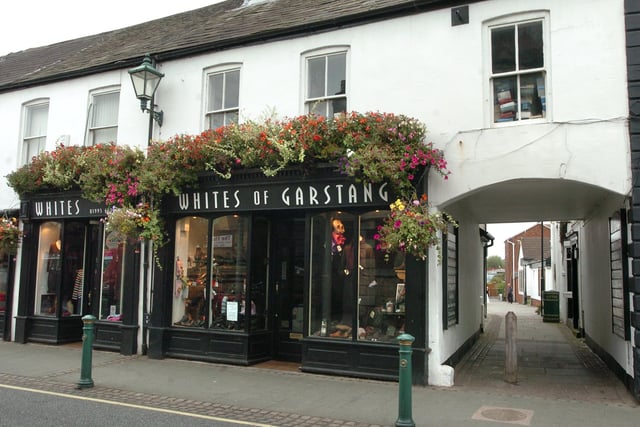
[(70, 268), (286, 268)]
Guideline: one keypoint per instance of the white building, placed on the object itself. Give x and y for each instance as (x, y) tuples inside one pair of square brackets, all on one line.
[(528, 100)]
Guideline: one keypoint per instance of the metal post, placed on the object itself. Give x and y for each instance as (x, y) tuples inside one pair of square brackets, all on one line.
[(511, 352), (87, 347), (405, 382)]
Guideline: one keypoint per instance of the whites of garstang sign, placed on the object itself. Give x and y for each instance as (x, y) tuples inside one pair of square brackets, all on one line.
[(282, 196)]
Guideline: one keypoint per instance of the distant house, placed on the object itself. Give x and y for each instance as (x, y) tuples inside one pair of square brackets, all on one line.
[(523, 253)]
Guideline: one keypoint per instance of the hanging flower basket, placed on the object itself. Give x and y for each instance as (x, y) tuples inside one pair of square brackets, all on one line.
[(10, 235), (134, 223), (411, 228)]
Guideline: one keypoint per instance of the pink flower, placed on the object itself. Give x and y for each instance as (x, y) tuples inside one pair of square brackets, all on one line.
[(397, 224)]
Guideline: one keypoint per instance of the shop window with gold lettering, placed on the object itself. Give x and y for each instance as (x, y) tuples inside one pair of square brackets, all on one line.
[(334, 242), (229, 305), (190, 270), (381, 287)]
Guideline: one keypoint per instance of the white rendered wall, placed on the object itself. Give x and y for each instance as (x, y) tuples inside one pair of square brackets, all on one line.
[(443, 343), (595, 288)]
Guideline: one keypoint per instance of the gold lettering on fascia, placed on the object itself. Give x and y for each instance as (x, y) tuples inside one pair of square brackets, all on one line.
[(57, 208), (289, 196)]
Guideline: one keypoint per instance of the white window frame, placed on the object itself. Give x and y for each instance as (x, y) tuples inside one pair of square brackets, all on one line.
[(307, 102), (91, 128), (506, 21), (209, 112), (28, 139)]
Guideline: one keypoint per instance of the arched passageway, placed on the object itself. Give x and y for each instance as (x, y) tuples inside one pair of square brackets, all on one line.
[(586, 263), (552, 363)]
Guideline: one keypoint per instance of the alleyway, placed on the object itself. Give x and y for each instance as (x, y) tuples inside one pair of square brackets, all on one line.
[(552, 363)]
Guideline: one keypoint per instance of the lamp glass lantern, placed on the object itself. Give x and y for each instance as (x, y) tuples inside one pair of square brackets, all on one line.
[(145, 79)]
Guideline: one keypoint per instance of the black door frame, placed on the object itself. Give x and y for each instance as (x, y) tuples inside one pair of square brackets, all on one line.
[(286, 252)]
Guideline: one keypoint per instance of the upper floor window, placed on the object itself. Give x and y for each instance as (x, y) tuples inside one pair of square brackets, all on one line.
[(103, 117), (518, 72), (35, 130), (223, 98), (326, 79)]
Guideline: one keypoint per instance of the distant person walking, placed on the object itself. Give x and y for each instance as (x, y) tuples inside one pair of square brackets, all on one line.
[(510, 294)]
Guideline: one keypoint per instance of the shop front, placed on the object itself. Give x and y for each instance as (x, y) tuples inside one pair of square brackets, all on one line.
[(285, 268), (70, 269)]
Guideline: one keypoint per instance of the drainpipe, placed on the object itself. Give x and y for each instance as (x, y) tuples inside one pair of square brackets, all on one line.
[(487, 241), (513, 266)]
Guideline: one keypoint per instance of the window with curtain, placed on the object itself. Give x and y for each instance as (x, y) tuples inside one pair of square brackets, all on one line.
[(223, 95), (518, 71), (103, 118), (326, 84), (35, 130)]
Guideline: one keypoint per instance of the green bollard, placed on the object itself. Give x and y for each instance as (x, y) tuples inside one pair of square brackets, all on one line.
[(87, 347), (405, 382)]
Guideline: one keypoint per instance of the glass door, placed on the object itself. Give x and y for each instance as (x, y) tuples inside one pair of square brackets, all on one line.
[(287, 248)]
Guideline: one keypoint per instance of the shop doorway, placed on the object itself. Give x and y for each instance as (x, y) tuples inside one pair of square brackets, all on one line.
[(287, 287)]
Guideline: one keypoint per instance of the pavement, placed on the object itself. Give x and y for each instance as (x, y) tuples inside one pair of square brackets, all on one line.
[(560, 383)]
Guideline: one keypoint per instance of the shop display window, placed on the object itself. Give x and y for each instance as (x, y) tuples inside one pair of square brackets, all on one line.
[(111, 291), (189, 303), (334, 243), (346, 269), (59, 271), (210, 286), (229, 253), (381, 287), (49, 268)]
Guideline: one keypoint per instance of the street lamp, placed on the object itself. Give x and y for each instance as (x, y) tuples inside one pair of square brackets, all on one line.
[(145, 79)]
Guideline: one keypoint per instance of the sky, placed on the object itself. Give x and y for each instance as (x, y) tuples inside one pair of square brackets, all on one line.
[(34, 23), (502, 232)]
